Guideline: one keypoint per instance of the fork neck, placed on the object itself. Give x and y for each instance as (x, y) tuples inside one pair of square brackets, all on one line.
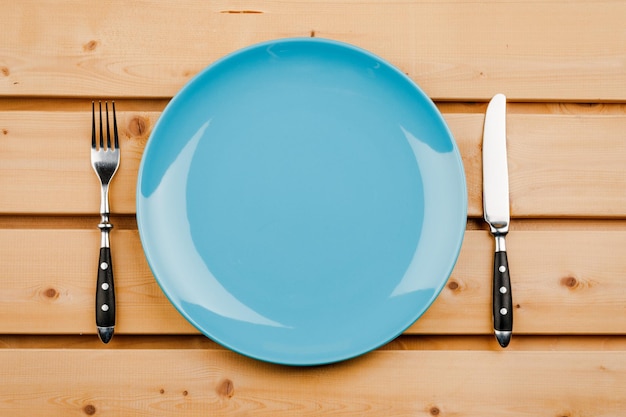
[(104, 202), (105, 225)]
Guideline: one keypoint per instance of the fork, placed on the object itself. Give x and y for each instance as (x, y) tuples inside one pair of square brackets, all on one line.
[(105, 160)]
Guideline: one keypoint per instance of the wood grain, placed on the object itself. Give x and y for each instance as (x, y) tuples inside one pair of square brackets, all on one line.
[(562, 65), (560, 165), (385, 383), (46, 164), (565, 282), (466, 50)]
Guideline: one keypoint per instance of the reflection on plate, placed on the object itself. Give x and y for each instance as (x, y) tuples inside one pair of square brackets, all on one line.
[(301, 201)]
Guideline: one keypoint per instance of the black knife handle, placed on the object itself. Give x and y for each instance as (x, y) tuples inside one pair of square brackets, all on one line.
[(502, 298), (105, 291)]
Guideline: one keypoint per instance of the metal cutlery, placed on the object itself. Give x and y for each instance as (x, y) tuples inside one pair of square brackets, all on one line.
[(497, 213), (105, 159)]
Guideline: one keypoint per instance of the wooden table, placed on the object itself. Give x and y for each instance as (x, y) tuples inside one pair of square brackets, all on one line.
[(562, 65)]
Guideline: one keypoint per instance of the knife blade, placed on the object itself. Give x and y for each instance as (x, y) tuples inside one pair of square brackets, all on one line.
[(497, 214)]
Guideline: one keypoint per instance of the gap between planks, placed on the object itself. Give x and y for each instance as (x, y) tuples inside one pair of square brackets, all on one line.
[(402, 343), (129, 222), (61, 104)]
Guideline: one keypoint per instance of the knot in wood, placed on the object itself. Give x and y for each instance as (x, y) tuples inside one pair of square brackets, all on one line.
[(569, 282), (138, 126), (51, 293), (90, 46), (226, 388)]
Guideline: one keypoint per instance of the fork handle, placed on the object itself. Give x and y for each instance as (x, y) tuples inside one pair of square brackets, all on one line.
[(105, 296)]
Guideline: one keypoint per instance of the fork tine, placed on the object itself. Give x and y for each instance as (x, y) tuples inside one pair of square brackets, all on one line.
[(106, 105), (101, 132), (93, 125), (117, 145)]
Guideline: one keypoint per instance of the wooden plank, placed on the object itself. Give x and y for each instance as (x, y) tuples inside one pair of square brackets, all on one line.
[(46, 164), (208, 382), (49, 283), (72, 48), (564, 282), (560, 165), (572, 174)]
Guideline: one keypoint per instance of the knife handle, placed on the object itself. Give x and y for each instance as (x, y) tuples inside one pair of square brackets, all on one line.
[(105, 296), (502, 299)]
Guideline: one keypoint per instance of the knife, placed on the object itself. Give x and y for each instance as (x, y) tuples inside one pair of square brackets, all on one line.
[(496, 213)]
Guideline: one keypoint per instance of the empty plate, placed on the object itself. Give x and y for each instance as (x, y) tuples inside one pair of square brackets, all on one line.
[(301, 201)]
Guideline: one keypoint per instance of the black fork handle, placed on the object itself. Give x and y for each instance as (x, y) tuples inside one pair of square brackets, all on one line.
[(105, 296)]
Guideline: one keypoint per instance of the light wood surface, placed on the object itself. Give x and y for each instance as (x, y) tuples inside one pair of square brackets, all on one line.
[(562, 65), (399, 383), (458, 50), (554, 273), (560, 165)]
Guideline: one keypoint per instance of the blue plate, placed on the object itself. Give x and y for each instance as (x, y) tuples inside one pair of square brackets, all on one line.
[(301, 201)]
